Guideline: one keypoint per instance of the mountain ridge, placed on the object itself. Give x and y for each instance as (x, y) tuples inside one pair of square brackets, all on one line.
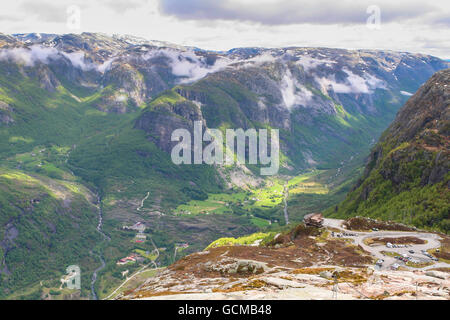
[(412, 156)]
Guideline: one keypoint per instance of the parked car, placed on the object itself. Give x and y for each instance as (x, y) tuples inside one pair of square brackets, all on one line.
[(411, 251)]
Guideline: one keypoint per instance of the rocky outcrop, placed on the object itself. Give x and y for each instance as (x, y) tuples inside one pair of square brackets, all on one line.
[(236, 267), (309, 267), (45, 77), (5, 113), (127, 81), (160, 120)]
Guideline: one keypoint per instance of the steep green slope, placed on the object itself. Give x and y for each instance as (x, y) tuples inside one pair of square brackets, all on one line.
[(46, 225), (40, 116), (407, 174), (124, 164)]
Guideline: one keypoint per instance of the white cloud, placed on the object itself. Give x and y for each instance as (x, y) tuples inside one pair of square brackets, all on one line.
[(262, 58), (78, 60), (256, 60), (276, 12), (145, 19), (41, 54), (353, 83), (187, 64), (30, 56), (308, 63), (292, 92)]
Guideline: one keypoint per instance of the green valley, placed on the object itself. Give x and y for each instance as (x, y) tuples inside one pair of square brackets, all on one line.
[(86, 176)]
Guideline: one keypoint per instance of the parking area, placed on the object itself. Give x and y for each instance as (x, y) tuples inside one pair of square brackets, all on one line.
[(391, 254)]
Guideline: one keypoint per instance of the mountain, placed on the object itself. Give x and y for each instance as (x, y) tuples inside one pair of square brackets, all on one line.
[(46, 224), (407, 173), (102, 108)]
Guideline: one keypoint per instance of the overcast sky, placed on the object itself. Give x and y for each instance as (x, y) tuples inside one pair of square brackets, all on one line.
[(415, 26)]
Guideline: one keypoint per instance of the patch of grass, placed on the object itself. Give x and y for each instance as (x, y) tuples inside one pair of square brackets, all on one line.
[(150, 255), (246, 240), (419, 265), (390, 253), (46, 234), (259, 222)]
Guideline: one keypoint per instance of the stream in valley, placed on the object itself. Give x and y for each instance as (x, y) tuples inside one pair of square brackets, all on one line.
[(100, 257)]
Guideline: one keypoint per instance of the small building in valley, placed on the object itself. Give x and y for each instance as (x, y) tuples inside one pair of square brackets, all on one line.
[(130, 259)]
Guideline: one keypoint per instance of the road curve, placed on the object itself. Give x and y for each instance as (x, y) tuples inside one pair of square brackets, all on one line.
[(432, 242)]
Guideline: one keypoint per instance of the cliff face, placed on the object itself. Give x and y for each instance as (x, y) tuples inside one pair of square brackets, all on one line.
[(329, 103), (163, 117), (407, 174)]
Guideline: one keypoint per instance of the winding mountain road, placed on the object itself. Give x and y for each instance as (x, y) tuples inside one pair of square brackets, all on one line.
[(142, 201), (143, 269), (431, 239)]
